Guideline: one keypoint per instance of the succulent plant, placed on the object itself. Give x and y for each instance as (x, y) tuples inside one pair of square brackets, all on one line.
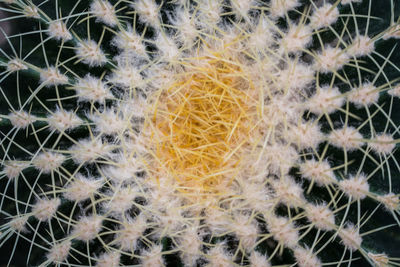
[(200, 133)]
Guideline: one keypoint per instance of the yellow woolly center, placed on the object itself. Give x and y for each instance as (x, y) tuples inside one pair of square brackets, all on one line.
[(201, 125)]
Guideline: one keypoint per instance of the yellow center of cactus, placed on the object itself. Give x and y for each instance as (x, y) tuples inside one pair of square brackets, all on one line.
[(201, 124)]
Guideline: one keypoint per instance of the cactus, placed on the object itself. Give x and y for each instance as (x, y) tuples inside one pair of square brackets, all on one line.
[(200, 133)]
